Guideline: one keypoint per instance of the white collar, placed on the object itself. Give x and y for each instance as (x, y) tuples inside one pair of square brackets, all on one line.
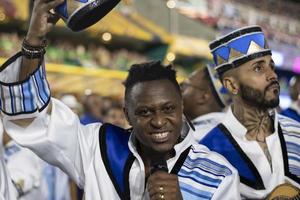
[(208, 116), (239, 130)]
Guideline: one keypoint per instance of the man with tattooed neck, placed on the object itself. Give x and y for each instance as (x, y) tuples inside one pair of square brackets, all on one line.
[(262, 145)]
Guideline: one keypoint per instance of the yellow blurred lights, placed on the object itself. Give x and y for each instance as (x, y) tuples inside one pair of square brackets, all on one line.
[(171, 56), (171, 4), (88, 92), (2, 16), (106, 36)]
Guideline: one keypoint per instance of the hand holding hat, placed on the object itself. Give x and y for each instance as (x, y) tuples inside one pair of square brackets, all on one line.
[(42, 20), (80, 14), (77, 14)]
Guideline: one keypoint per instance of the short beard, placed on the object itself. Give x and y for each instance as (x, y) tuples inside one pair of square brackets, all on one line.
[(257, 99)]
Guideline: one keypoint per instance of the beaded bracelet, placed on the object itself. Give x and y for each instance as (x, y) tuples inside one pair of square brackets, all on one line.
[(33, 52)]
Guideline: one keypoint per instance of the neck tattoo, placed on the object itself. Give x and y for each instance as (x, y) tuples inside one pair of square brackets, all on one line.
[(259, 125)]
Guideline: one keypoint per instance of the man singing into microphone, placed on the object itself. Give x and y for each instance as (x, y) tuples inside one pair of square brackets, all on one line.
[(155, 159)]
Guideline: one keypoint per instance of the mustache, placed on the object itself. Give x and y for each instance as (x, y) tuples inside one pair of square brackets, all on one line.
[(272, 84)]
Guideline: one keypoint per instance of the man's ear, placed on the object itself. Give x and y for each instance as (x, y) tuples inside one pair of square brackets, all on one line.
[(231, 84), (125, 110)]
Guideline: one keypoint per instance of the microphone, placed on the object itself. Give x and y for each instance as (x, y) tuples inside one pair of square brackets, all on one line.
[(158, 163)]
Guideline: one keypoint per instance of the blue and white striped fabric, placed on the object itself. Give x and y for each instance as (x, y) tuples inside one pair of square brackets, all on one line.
[(28, 96), (199, 177), (291, 132)]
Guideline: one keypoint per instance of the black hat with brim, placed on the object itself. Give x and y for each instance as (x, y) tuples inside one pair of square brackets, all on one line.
[(90, 14)]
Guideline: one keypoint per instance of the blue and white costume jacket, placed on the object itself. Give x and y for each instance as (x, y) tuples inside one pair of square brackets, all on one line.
[(292, 112), (102, 158), (257, 177)]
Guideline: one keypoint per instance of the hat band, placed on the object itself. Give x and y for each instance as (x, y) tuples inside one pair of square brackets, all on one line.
[(242, 60)]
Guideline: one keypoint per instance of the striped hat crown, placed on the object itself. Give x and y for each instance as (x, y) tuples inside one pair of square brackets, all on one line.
[(238, 47)]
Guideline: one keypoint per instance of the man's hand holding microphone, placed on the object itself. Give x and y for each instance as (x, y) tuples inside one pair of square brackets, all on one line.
[(161, 184)]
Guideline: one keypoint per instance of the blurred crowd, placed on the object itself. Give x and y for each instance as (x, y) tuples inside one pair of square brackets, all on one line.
[(231, 14), (200, 86), (93, 107), (66, 52)]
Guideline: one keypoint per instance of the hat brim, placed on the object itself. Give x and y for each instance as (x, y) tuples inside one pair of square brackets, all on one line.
[(242, 60), (90, 14)]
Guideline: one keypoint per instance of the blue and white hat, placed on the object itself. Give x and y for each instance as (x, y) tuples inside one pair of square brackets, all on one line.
[(238, 47), (80, 14), (219, 91)]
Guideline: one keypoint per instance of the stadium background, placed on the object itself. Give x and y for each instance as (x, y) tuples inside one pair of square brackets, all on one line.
[(175, 31)]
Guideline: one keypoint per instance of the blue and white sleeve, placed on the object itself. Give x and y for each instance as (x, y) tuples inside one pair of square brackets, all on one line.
[(27, 97)]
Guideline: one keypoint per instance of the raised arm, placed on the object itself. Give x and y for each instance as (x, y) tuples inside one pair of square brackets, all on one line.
[(33, 48), (23, 85), (30, 116)]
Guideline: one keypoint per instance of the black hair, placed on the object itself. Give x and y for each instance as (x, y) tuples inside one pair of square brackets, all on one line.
[(149, 71)]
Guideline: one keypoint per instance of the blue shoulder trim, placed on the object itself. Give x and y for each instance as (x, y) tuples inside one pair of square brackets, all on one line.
[(116, 157), (220, 140), (291, 114)]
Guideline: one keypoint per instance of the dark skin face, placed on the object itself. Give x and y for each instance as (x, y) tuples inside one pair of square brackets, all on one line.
[(94, 105), (194, 94), (154, 110)]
